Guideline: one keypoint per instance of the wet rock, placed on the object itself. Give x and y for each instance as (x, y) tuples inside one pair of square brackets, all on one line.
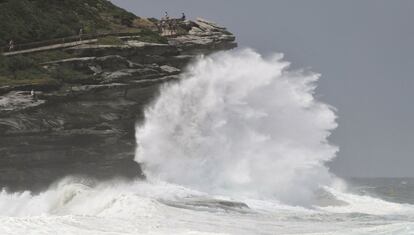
[(16, 100)]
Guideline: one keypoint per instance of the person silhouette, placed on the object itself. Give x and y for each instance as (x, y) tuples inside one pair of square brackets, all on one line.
[(11, 45), (80, 34)]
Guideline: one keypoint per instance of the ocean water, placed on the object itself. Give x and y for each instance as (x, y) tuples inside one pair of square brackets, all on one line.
[(238, 146), (398, 190), (75, 206)]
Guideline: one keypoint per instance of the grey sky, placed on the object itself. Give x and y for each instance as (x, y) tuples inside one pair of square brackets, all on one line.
[(364, 51)]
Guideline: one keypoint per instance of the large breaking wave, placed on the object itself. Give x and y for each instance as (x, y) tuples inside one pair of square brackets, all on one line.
[(242, 124)]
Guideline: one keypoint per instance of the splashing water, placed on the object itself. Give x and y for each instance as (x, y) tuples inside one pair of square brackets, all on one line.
[(240, 124)]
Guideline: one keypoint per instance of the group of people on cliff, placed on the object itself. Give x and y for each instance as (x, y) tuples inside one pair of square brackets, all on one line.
[(167, 17), (169, 26)]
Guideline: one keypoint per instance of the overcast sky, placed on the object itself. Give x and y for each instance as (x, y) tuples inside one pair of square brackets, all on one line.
[(364, 51)]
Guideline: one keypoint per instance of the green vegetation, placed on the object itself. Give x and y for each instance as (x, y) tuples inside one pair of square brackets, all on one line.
[(26, 21), (147, 35), (110, 40), (24, 70), (68, 75), (47, 56), (21, 70), (20, 64), (36, 20), (40, 81)]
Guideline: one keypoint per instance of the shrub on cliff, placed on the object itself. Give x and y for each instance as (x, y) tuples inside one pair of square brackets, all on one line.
[(21, 70), (19, 63)]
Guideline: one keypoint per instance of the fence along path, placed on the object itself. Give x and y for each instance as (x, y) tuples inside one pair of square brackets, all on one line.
[(58, 43)]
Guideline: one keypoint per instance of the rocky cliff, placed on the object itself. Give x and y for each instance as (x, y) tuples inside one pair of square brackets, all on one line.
[(87, 127)]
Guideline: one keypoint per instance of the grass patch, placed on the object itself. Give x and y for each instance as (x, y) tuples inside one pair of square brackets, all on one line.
[(144, 23), (19, 67), (22, 70), (26, 76), (71, 76), (25, 70), (33, 80), (110, 40), (147, 35), (47, 56)]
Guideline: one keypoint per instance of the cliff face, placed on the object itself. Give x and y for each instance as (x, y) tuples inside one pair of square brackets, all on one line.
[(88, 127)]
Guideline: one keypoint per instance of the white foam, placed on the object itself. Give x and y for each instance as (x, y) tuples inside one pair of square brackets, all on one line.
[(240, 124)]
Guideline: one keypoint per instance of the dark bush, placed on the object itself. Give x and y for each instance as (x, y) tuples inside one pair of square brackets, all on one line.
[(19, 62)]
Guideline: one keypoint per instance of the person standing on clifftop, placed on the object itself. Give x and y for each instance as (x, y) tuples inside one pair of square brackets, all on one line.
[(11, 45), (80, 34), (183, 17), (166, 16)]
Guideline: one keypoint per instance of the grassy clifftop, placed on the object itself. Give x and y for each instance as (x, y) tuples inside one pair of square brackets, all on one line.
[(35, 20), (25, 21)]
